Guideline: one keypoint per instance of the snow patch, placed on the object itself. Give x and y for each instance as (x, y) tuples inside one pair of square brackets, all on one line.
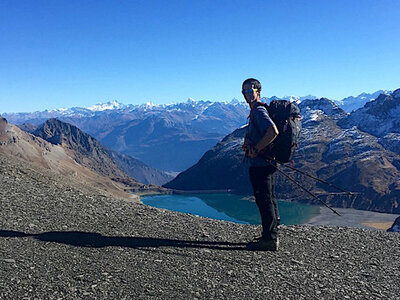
[(312, 115)]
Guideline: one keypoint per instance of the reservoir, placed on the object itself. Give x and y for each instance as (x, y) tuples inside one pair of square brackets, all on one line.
[(230, 207)]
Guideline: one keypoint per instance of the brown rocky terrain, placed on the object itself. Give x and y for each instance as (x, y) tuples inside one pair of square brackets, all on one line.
[(74, 165)]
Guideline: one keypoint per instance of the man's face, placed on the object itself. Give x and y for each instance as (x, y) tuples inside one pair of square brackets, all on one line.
[(250, 93)]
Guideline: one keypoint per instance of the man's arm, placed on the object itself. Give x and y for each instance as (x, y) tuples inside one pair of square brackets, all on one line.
[(269, 136)]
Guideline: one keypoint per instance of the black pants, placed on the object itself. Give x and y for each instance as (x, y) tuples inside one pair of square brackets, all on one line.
[(262, 180)]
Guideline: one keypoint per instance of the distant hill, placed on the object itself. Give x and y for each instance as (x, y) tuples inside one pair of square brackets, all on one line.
[(347, 157), (91, 153), (72, 155)]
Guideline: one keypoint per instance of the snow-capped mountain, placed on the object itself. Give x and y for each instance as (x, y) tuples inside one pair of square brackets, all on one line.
[(166, 136), (291, 98), (173, 136), (378, 117), (111, 105), (355, 102), (348, 104)]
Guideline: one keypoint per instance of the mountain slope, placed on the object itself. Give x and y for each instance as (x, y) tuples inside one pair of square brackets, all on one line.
[(139, 170), (39, 152), (91, 153), (347, 157), (83, 148), (380, 118), (68, 159)]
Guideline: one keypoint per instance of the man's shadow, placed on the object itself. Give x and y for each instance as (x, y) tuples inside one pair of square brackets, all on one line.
[(97, 240)]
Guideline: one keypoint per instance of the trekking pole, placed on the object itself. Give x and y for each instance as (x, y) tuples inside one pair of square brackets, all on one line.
[(303, 188), (313, 177)]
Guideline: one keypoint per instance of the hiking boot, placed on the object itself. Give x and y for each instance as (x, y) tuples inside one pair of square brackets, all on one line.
[(263, 245)]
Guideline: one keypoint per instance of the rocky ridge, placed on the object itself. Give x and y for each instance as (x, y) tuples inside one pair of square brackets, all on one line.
[(379, 117), (59, 240), (90, 152)]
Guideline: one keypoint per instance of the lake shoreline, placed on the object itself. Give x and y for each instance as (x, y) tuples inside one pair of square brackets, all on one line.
[(349, 217), (353, 218)]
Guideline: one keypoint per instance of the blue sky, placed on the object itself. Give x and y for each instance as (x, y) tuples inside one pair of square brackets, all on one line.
[(57, 54)]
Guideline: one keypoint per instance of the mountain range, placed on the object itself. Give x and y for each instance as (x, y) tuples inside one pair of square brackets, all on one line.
[(335, 146), (169, 137)]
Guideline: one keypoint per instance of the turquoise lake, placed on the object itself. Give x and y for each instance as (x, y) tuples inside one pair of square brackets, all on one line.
[(230, 207)]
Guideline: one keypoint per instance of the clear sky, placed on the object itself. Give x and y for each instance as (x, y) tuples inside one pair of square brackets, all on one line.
[(57, 53)]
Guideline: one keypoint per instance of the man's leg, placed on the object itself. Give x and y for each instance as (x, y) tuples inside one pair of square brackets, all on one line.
[(262, 181)]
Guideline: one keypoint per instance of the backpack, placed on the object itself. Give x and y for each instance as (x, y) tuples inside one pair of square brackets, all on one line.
[(286, 116)]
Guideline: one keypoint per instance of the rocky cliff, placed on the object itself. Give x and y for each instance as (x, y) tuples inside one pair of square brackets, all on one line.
[(380, 118), (90, 152), (86, 150), (3, 124)]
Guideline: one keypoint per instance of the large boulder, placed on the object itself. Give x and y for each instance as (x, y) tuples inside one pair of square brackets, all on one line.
[(3, 125), (396, 226)]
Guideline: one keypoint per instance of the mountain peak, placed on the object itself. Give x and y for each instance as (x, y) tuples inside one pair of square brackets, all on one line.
[(355, 102), (321, 106), (114, 104), (86, 150), (396, 93), (61, 133), (291, 98)]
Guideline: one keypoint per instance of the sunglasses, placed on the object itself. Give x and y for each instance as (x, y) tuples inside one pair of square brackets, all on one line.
[(249, 91)]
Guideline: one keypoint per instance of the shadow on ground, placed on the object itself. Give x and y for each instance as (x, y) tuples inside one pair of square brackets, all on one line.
[(97, 240)]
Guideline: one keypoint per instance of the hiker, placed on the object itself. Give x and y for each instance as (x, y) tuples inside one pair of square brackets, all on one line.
[(260, 133)]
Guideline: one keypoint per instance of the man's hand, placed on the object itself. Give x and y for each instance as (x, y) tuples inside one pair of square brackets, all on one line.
[(252, 152)]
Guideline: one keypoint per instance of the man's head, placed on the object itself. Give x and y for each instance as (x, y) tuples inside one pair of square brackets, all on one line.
[(251, 90)]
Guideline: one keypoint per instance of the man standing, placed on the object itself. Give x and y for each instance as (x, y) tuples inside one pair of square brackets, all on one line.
[(260, 133)]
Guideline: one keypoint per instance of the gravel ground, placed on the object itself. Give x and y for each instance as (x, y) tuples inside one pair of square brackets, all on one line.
[(59, 240)]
